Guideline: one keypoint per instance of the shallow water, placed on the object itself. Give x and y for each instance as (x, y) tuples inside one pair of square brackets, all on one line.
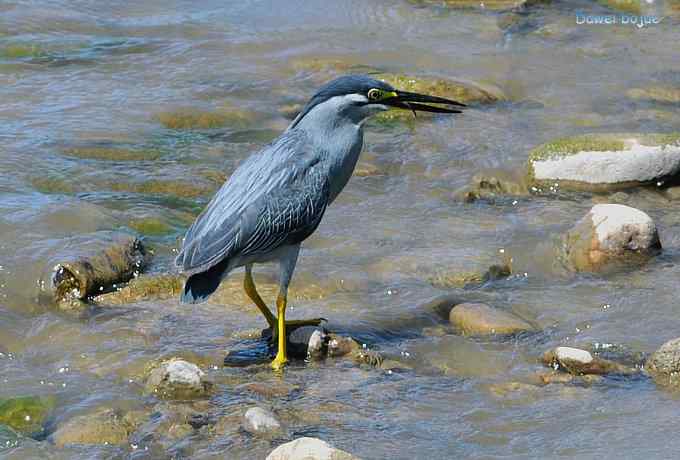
[(99, 76)]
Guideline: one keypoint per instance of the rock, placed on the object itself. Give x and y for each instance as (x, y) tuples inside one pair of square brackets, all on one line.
[(576, 361), (481, 319), (366, 169), (26, 414), (115, 258), (664, 364), (492, 184), (260, 421), (609, 236), (308, 449), (103, 426), (600, 162), (661, 94), (445, 279), (8, 438), (178, 379), (307, 342)]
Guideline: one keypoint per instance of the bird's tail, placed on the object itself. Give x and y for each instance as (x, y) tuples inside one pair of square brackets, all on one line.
[(200, 286)]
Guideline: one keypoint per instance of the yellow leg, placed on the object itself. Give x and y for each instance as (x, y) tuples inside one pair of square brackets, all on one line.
[(281, 358), (249, 286)]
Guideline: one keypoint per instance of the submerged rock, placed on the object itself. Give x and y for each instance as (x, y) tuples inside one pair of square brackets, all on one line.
[(481, 319), (260, 421), (664, 364), (576, 361), (115, 259), (25, 414), (604, 161), (609, 236), (113, 153), (492, 184), (309, 449), (103, 426), (661, 94), (178, 379), (192, 118)]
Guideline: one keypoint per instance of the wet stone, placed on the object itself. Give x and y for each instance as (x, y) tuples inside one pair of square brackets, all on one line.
[(664, 364), (494, 184), (576, 361), (309, 449), (103, 426), (611, 236), (192, 118), (481, 319), (661, 94), (601, 162), (26, 414), (178, 379), (144, 287), (261, 422)]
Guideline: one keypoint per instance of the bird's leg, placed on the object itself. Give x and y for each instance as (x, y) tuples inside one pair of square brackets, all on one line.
[(281, 357), (249, 286)]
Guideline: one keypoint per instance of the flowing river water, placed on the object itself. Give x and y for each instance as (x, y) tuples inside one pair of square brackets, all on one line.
[(88, 144)]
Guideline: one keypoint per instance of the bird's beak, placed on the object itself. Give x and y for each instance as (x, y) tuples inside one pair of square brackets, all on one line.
[(415, 101)]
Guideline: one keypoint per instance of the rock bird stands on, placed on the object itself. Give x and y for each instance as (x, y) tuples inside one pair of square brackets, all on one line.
[(277, 197)]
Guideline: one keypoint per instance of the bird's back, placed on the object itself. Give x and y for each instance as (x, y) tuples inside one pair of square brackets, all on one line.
[(277, 194)]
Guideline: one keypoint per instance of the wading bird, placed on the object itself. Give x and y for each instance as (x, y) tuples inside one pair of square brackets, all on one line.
[(276, 198)]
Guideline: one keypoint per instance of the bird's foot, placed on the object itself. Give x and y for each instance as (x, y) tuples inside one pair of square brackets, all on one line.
[(279, 362)]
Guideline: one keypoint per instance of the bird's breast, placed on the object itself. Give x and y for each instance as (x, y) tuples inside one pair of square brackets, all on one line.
[(343, 160)]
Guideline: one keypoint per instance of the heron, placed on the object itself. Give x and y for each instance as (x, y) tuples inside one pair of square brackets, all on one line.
[(276, 198)]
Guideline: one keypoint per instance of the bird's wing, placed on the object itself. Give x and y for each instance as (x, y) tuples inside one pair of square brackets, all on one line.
[(276, 197)]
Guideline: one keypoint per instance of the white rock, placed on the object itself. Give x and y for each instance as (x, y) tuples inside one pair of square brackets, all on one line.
[(640, 163), (573, 354), (308, 449), (183, 372), (611, 232), (260, 421)]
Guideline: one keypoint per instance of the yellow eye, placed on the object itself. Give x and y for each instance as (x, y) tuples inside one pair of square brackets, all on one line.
[(374, 94)]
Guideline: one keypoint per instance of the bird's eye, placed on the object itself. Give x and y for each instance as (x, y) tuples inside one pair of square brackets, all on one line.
[(374, 94)]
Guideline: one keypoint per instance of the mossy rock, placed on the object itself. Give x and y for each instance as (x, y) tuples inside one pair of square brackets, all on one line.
[(626, 6), (329, 66), (104, 426), (445, 280), (150, 226), (113, 153), (22, 50), (178, 188), (26, 414), (192, 118), (660, 94), (493, 184), (601, 162)]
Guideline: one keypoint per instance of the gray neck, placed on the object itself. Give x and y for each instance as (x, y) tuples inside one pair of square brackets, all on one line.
[(338, 136)]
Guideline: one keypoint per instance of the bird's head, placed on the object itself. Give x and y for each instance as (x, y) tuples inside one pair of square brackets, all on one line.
[(357, 97)]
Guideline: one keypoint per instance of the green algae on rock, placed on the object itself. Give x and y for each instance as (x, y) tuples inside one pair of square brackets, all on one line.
[(22, 50), (192, 118), (26, 414), (112, 153), (599, 162), (150, 226)]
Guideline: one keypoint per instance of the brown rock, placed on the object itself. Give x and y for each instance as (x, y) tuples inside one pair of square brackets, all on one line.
[(664, 364), (481, 319), (104, 426), (581, 362)]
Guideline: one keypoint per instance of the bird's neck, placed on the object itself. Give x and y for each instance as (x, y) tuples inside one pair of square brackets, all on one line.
[(339, 139)]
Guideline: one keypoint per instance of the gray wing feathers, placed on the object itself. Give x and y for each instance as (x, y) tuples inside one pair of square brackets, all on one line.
[(275, 197)]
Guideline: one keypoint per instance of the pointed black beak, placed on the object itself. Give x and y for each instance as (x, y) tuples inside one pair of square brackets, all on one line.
[(415, 101)]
